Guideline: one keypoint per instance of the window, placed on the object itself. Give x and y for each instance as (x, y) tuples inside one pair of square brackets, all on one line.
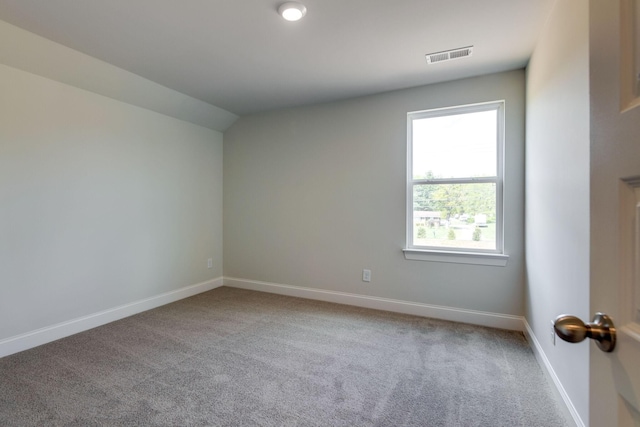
[(455, 182)]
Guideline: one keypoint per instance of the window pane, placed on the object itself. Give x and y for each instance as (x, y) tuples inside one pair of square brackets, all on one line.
[(455, 215), (455, 146)]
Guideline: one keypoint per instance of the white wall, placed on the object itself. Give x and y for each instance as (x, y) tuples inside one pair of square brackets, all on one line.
[(313, 195), (557, 192), (101, 203)]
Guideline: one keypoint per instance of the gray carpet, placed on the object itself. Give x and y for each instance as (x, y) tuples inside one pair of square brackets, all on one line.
[(232, 357)]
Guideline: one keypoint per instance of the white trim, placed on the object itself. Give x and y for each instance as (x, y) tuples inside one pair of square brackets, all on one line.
[(54, 332), (548, 370), (493, 320), (478, 258)]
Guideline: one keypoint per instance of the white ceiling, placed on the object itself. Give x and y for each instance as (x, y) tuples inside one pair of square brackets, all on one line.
[(240, 55)]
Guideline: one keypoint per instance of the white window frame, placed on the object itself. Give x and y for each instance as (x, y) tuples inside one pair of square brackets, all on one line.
[(495, 257)]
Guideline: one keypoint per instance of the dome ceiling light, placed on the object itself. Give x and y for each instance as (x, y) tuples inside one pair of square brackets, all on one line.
[(292, 11)]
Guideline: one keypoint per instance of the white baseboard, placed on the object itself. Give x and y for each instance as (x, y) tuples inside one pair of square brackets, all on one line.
[(493, 320), (548, 370), (51, 333)]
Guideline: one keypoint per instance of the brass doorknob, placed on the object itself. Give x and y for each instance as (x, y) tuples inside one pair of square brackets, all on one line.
[(601, 328)]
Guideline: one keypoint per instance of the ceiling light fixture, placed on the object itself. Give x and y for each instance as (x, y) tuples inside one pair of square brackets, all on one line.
[(292, 11)]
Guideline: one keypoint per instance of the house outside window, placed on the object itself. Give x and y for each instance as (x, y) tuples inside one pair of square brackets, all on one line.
[(455, 180)]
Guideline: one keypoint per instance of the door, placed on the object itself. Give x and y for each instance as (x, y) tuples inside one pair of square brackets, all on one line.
[(614, 49)]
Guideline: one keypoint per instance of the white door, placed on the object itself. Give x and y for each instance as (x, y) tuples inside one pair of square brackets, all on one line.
[(614, 48)]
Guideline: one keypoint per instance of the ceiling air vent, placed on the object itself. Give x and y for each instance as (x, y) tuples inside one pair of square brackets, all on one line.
[(448, 55)]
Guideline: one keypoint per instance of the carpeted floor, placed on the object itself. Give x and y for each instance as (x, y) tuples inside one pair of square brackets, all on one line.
[(232, 357)]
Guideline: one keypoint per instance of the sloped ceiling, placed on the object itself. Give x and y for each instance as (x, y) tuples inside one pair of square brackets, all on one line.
[(241, 56)]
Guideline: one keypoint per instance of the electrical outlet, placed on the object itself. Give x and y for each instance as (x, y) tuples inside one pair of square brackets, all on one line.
[(553, 333), (366, 275), (210, 263)]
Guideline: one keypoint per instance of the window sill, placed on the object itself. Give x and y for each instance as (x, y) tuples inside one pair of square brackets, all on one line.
[(477, 258)]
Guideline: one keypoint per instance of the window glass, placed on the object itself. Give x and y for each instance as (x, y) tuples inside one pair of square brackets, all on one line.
[(455, 146), (455, 178), (455, 215)]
